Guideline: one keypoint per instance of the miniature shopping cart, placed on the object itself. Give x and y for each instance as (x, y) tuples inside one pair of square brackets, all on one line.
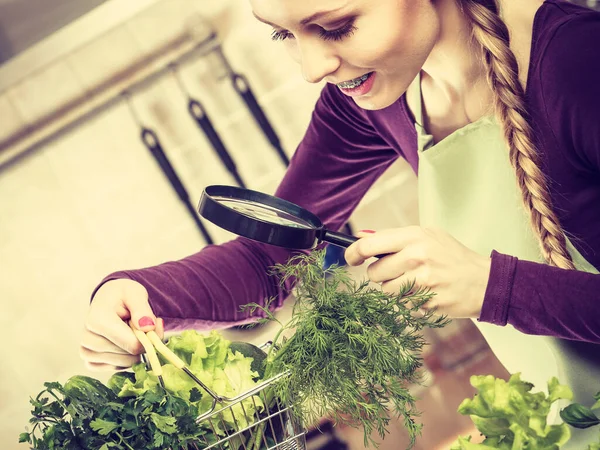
[(272, 426), (261, 421)]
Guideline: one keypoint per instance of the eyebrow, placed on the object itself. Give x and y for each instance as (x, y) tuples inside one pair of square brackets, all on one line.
[(304, 21)]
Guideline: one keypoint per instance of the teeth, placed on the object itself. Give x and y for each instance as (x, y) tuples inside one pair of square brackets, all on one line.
[(353, 83)]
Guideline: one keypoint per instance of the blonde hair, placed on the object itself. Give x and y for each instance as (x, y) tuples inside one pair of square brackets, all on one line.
[(491, 33)]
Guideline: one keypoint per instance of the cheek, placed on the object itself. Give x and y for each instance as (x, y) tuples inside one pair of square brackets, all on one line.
[(292, 48), (395, 42)]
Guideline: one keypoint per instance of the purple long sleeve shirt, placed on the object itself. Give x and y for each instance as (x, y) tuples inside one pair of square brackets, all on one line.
[(346, 149)]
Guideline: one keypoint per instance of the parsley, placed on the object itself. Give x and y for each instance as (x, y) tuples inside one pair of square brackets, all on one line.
[(62, 417)]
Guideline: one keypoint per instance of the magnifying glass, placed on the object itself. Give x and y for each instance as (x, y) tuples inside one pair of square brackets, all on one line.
[(266, 218)]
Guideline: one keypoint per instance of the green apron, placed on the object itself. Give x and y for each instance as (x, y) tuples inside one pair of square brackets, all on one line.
[(467, 187)]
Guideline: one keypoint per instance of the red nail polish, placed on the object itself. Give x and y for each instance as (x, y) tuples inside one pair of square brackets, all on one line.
[(367, 231), (146, 322)]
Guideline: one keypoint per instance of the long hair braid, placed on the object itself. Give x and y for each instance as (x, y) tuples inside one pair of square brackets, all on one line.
[(492, 34)]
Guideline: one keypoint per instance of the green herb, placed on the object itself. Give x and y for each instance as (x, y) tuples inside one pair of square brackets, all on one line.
[(133, 412), (355, 350), (63, 419), (580, 416), (511, 417)]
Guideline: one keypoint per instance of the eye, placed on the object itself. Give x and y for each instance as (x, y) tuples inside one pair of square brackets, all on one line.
[(281, 35), (338, 34)]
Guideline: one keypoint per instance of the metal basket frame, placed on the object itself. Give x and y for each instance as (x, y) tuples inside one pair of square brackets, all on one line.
[(276, 420)]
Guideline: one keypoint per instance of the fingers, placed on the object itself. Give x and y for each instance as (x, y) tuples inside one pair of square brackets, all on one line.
[(142, 316), (401, 284), (393, 266), (117, 332), (100, 367), (380, 243), (110, 359), (93, 342), (101, 354), (108, 342), (396, 285), (116, 302)]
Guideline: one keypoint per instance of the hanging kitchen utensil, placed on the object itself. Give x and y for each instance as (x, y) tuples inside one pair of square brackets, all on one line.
[(152, 143), (198, 113), (240, 84), (267, 219), (242, 87)]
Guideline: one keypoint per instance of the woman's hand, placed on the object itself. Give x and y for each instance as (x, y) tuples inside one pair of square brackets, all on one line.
[(108, 343), (432, 259)]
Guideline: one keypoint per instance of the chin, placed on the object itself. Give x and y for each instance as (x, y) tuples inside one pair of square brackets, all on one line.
[(375, 103), (380, 99)]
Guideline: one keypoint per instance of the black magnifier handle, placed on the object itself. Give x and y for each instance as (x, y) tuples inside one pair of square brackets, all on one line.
[(240, 84), (198, 113), (339, 239), (342, 240), (150, 140)]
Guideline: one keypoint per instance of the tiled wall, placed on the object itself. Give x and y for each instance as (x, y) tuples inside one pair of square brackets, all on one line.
[(95, 201)]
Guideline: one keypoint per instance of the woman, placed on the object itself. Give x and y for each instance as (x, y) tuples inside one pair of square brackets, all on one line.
[(503, 135)]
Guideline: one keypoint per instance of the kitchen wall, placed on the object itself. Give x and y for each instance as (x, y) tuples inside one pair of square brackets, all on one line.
[(94, 201)]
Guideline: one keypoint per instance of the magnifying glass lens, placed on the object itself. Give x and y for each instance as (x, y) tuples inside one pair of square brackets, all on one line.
[(263, 212)]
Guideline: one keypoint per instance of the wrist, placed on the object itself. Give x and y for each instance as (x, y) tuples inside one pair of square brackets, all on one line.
[(114, 283), (498, 292)]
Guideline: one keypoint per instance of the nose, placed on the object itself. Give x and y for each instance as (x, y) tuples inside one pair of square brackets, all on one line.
[(317, 59)]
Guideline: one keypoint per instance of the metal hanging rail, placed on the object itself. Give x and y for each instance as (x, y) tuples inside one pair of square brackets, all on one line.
[(200, 49)]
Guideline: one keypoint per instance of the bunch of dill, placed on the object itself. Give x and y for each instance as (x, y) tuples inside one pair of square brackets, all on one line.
[(355, 350)]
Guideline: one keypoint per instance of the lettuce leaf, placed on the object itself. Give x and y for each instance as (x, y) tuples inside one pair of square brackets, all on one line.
[(511, 417), (227, 373)]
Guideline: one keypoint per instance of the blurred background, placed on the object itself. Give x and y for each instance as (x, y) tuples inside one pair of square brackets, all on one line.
[(82, 194)]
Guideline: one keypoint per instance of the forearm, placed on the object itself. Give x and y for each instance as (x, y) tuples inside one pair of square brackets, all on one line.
[(206, 290), (543, 300)]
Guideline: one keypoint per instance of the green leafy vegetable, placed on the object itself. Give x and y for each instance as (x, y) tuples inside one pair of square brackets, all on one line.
[(63, 419), (579, 416), (133, 412), (512, 417), (354, 351)]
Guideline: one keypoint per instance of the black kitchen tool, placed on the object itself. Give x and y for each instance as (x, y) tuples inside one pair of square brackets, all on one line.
[(150, 140), (152, 143), (266, 218), (198, 113), (242, 87)]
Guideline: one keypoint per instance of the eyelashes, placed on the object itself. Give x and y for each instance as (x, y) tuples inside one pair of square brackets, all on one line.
[(345, 31), (282, 35), (338, 34)]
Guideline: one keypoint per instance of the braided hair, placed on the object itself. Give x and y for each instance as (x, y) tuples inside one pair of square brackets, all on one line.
[(491, 33)]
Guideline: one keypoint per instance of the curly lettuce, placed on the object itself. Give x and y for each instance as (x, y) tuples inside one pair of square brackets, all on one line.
[(511, 417), (210, 358)]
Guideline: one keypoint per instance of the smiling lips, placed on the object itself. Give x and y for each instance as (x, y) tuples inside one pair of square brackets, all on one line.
[(358, 86), (353, 83)]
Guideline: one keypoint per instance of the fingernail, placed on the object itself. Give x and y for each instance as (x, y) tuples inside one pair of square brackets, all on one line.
[(146, 322), (367, 231)]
